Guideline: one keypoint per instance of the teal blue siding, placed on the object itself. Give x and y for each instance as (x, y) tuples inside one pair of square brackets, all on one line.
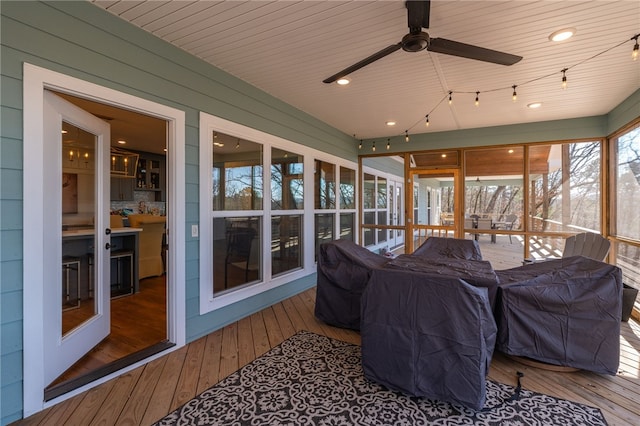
[(577, 128), (624, 113), (84, 41), (384, 164)]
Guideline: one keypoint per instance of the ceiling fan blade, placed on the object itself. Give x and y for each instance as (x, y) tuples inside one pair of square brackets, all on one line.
[(455, 48), (366, 61)]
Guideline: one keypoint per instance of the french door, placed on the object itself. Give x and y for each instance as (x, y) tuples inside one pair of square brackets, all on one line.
[(76, 293), (396, 213)]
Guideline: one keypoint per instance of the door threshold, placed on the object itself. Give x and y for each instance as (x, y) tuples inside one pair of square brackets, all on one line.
[(77, 382)]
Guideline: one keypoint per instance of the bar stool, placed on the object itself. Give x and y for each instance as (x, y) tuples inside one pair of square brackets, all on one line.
[(70, 264), (121, 259)]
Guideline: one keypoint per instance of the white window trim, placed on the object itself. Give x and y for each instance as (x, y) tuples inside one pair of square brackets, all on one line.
[(36, 80), (210, 123)]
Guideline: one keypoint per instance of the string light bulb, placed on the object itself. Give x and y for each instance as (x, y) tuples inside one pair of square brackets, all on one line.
[(388, 143), (360, 146), (238, 144), (426, 121), (373, 147), (477, 98), (450, 97), (515, 95), (406, 136), (636, 48), (564, 78)]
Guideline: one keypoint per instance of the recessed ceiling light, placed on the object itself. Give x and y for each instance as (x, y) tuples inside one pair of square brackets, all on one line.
[(343, 81), (121, 142), (534, 105), (562, 34), (510, 151), (391, 123), (64, 132)]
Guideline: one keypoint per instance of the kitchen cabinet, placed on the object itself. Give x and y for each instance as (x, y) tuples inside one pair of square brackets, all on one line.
[(150, 175), (122, 188)]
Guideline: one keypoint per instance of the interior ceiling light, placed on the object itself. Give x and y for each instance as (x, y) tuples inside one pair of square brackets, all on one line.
[(562, 34), (343, 81), (391, 123), (122, 142), (510, 151), (534, 105)]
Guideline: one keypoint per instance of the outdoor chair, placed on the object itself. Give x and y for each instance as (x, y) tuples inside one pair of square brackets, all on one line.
[(588, 244), (510, 221), (485, 223)]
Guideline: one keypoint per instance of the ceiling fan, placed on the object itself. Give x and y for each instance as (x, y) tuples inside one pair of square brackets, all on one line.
[(418, 18)]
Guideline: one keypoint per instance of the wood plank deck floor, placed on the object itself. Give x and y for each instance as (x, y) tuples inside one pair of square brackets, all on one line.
[(148, 393)]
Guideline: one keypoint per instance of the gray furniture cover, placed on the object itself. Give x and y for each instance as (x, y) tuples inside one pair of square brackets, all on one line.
[(453, 248), (344, 269), (427, 336), (478, 273), (564, 312)]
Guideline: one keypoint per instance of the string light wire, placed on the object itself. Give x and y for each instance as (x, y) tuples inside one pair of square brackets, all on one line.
[(449, 94)]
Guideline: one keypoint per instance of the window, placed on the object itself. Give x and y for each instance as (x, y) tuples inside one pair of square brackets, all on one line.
[(347, 203), (287, 195), (625, 194), (262, 210)]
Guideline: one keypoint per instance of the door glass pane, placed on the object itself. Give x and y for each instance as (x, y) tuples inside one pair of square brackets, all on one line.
[(78, 206), (368, 191)]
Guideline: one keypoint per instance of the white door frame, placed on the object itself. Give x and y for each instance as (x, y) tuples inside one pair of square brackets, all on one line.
[(36, 80)]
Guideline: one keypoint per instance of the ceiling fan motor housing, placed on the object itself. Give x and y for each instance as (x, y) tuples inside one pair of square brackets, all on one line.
[(415, 42)]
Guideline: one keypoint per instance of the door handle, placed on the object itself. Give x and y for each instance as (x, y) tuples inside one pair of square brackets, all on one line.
[(107, 246)]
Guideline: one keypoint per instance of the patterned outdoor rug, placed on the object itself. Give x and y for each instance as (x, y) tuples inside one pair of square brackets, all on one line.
[(314, 380)]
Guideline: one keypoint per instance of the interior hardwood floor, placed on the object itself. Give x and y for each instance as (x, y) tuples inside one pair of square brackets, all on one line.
[(137, 322), (146, 394)]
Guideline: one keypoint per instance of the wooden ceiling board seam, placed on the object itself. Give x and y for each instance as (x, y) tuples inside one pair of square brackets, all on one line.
[(306, 36), (142, 8), (164, 25), (197, 23), (165, 8), (121, 7)]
